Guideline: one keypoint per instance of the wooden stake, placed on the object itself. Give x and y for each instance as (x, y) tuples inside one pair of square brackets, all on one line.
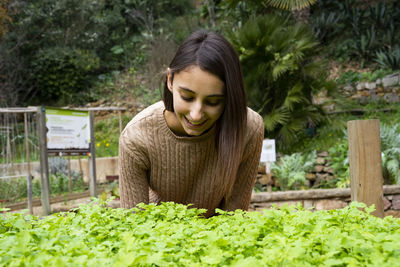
[(69, 175), (92, 159), (44, 163), (28, 177), (366, 163), (80, 166), (120, 121)]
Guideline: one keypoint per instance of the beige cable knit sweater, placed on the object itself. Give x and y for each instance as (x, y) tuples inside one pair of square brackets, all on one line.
[(156, 165)]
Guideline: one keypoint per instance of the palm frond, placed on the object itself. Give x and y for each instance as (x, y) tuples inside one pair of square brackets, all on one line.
[(393, 167), (281, 74), (294, 96), (290, 4), (276, 117)]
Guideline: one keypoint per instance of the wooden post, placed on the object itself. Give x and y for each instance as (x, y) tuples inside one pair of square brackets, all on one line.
[(44, 163), (80, 166), (69, 175), (28, 177), (92, 159), (120, 121), (268, 173), (366, 163)]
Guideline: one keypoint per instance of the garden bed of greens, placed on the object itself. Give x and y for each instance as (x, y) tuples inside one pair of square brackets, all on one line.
[(175, 235)]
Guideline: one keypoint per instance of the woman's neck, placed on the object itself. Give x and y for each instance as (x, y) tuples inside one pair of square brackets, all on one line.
[(173, 123)]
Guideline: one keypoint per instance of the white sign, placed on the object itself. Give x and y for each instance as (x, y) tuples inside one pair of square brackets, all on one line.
[(67, 129), (268, 151)]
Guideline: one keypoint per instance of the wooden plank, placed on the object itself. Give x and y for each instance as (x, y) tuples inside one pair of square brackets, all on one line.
[(360, 111), (18, 110), (98, 109), (391, 189), (57, 199), (301, 194), (314, 194), (365, 163), (34, 109), (44, 164)]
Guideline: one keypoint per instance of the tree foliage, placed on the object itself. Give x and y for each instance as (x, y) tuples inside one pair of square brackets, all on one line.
[(4, 17), (281, 74), (360, 30), (63, 45)]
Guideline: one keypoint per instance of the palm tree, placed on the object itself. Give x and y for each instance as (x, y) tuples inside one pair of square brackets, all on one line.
[(280, 75), (291, 5)]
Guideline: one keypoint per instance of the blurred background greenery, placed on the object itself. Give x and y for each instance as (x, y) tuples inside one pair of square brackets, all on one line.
[(114, 53)]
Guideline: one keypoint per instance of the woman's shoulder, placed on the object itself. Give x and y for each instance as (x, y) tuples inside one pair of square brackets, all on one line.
[(255, 124), (144, 121), (151, 111), (254, 120)]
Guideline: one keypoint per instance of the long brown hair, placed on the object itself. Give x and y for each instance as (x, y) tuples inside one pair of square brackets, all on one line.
[(213, 53)]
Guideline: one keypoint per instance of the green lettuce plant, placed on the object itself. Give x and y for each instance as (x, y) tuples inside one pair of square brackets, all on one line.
[(175, 235), (291, 170)]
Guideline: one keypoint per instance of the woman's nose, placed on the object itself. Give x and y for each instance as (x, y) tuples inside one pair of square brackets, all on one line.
[(196, 112)]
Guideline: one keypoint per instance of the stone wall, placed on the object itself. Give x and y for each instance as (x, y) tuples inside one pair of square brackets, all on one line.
[(323, 199), (387, 89), (321, 173)]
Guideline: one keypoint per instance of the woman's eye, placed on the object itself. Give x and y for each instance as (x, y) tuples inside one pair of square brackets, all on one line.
[(187, 98), (213, 102)]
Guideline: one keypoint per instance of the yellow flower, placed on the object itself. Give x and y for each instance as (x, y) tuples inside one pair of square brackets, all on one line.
[(98, 144), (107, 144)]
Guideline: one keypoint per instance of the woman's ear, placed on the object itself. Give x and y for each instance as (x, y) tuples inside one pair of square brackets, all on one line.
[(169, 79)]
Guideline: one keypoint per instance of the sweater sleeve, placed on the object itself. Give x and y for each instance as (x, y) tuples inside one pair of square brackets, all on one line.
[(133, 169), (247, 172)]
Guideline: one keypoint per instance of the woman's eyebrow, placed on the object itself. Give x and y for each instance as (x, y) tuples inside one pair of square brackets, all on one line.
[(192, 92)]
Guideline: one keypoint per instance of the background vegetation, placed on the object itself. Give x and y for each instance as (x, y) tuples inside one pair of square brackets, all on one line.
[(114, 52)]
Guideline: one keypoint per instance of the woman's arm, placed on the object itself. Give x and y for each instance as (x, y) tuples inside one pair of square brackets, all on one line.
[(133, 167), (247, 172)]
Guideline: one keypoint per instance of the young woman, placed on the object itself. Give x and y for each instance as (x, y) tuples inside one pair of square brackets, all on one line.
[(201, 145)]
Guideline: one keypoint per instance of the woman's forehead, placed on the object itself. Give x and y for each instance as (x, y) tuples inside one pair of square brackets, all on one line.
[(199, 81)]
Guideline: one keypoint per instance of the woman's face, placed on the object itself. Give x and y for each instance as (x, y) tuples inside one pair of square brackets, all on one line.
[(198, 98)]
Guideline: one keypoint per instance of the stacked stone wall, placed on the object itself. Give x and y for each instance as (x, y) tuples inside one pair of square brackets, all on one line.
[(386, 89), (322, 173)]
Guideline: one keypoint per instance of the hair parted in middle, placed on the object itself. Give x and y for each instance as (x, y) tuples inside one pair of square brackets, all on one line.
[(214, 54)]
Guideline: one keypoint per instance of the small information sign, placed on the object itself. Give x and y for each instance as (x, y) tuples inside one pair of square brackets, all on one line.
[(67, 129), (268, 151)]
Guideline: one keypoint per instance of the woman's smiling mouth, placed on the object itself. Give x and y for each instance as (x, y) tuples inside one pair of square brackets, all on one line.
[(194, 124)]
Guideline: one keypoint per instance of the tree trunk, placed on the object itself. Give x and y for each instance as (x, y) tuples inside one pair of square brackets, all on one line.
[(302, 15)]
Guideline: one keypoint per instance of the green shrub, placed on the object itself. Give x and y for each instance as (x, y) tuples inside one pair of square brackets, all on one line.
[(390, 146), (281, 74), (12, 189), (64, 74), (355, 29), (389, 58), (325, 25), (352, 77), (339, 161), (15, 189), (290, 170), (107, 134)]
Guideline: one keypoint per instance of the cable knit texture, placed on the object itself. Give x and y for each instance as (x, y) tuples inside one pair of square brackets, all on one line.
[(156, 165)]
